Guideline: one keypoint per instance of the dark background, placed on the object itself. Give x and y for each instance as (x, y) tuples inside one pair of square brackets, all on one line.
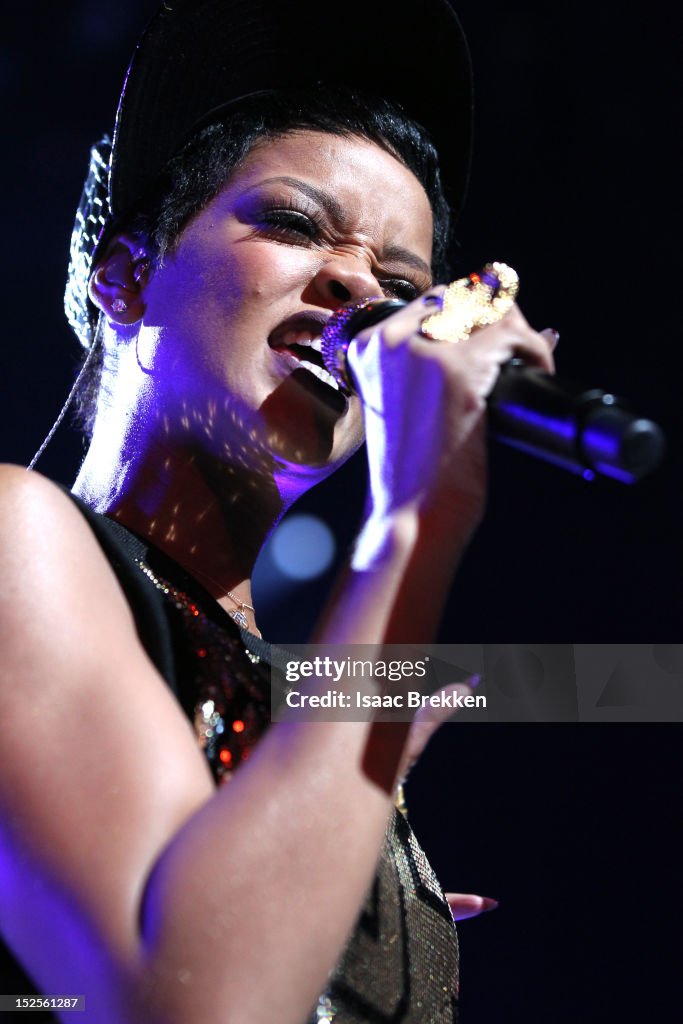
[(575, 184)]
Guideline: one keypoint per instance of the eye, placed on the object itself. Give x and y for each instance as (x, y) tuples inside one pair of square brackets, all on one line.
[(400, 289), (289, 223)]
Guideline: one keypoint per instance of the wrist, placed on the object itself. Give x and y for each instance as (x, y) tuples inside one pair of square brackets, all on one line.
[(384, 536), (438, 530), (452, 516)]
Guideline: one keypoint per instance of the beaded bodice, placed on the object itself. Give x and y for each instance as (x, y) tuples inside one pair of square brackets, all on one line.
[(405, 939), (227, 687)]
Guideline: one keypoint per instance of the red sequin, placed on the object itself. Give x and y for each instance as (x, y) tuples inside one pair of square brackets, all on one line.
[(231, 687)]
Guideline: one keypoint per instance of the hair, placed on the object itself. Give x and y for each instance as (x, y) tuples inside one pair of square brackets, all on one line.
[(201, 167)]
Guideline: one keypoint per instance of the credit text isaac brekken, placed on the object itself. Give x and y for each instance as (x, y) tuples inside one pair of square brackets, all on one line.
[(412, 699)]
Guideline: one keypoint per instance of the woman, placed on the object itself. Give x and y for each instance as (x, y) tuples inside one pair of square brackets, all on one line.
[(133, 878)]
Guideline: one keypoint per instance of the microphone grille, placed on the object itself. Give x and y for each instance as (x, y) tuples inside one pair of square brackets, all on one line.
[(342, 327)]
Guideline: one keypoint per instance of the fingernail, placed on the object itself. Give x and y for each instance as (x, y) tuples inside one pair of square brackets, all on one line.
[(552, 336), (474, 680), (488, 904)]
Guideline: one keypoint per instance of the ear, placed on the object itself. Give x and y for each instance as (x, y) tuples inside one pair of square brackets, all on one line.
[(118, 283)]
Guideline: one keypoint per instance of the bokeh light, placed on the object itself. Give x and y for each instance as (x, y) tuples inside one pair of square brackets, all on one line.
[(302, 547)]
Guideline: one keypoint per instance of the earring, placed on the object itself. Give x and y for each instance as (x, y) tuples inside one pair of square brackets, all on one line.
[(140, 270), (119, 306)]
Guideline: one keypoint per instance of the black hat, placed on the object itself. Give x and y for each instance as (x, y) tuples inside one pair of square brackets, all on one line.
[(198, 56)]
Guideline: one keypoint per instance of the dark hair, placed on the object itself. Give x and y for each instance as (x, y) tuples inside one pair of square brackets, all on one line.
[(198, 171)]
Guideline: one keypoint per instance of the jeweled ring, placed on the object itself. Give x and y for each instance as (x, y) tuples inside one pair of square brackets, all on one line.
[(475, 301)]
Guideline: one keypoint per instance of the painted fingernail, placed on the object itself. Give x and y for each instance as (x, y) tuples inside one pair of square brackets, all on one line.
[(552, 336), (431, 300), (488, 904), (474, 680)]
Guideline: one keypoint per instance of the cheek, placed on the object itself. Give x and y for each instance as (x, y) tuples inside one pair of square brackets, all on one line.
[(250, 292), (216, 300), (268, 271), (228, 259), (215, 307)]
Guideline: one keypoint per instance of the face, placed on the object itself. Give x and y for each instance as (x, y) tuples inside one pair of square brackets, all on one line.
[(308, 222)]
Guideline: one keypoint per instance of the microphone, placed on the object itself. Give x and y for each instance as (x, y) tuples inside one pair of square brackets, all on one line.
[(584, 430)]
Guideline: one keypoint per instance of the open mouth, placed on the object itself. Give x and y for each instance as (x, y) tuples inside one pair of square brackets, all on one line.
[(297, 339)]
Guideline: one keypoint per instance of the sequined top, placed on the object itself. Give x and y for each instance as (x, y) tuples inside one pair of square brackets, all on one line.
[(401, 964)]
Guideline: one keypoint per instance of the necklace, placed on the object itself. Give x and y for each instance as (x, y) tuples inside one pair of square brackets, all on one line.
[(227, 686), (182, 600), (238, 616)]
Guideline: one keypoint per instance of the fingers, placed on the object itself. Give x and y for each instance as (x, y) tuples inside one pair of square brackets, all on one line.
[(551, 336), (428, 719), (509, 337), (432, 717), (464, 905), (434, 297), (513, 337), (404, 324)]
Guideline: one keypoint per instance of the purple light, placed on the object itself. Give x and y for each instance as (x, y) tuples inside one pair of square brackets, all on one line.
[(600, 442), (558, 427)]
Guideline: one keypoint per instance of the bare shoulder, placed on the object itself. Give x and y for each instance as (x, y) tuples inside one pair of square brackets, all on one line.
[(100, 766), (40, 527), (21, 488), (54, 571)]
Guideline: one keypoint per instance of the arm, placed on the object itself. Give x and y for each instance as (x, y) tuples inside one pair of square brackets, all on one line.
[(425, 419), (126, 876), (130, 878), (417, 526)]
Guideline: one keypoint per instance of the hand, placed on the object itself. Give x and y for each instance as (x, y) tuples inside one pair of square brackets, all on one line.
[(425, 406), (427, 720), (464, 905)]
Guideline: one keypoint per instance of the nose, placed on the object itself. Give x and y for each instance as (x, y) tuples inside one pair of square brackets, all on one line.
[(344, 278)]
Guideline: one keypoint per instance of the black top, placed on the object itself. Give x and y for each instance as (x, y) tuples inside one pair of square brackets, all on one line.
[(401, 964)]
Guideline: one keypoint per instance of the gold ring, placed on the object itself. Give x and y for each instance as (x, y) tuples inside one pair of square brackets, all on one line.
[(475, 301)]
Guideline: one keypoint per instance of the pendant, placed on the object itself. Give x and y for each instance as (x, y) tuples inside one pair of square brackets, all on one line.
[(240, 618)]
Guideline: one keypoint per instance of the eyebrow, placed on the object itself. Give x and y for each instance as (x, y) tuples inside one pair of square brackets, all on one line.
[(400, 255), (334, 209)]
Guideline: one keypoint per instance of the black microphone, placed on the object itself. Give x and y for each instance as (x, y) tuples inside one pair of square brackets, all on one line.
[(584, 430)]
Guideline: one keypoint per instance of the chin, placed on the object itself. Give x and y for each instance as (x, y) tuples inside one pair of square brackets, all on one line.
[(308, 424)]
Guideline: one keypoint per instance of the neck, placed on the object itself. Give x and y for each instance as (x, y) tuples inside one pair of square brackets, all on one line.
[(202, 479), (211, 517)]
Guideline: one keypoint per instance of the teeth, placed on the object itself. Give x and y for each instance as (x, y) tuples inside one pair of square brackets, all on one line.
[(306, 338), (321, 374), (316, 343)]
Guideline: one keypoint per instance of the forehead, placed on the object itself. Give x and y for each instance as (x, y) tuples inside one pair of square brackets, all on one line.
[(378, 196)]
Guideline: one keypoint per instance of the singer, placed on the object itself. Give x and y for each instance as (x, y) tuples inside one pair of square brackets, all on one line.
[(265, 170)]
